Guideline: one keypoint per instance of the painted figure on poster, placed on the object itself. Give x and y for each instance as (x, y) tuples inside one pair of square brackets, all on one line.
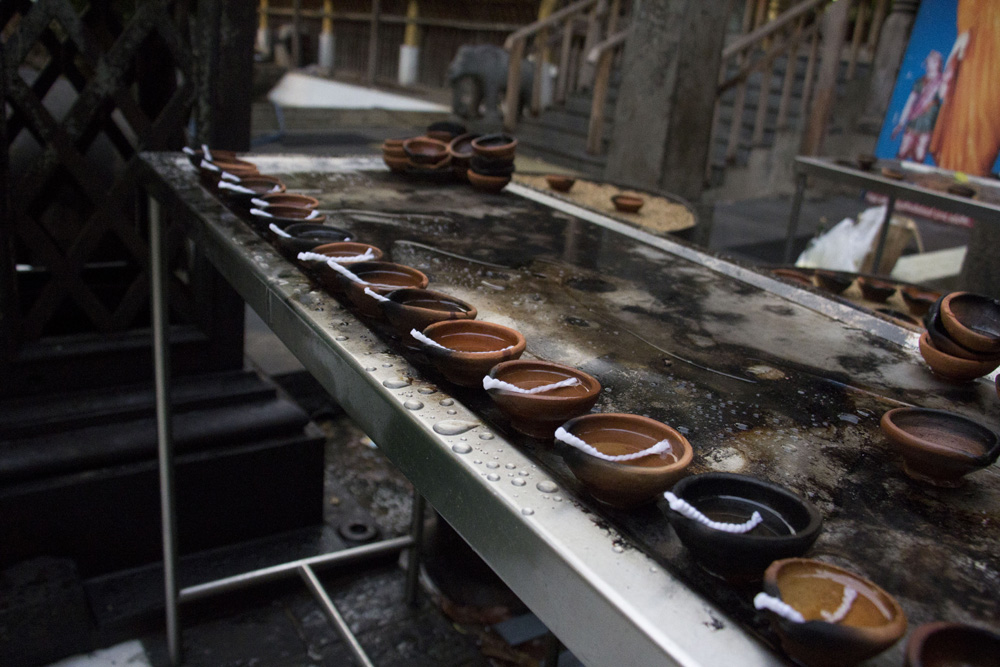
[(967, 133), (918, 117)]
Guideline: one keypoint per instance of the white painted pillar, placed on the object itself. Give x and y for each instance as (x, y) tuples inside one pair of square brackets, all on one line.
[(327, 41), (409, 50)]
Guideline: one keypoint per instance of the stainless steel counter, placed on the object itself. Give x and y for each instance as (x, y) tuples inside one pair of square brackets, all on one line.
[(764, 378)]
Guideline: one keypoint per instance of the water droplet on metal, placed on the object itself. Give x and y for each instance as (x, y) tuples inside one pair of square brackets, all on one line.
[(558, 499), (413, 404), (527, 511), (340, 337), (617, 549), (493, 477), (427, 390), (523, 473), (461, 448), (396, 384), (371, 369), (547, 487), (452, 412), (517, 481), (454, 427), (387, 365), (478, 462), (446, 402), (492, 465), (485, 436)]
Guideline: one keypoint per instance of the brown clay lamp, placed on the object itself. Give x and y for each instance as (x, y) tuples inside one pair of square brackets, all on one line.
[(538, 396), (465, 350)]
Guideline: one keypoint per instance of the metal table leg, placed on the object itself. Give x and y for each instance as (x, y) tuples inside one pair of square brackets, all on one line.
[(333, 615), (413, 557), (883, 233), (161, 370), (793, 219)]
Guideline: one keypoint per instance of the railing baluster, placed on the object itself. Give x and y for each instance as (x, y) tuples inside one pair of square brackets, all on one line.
[(736, 125), (562, 82), (792, 64), (536, 83), (875, 27), (807, 84), (513, 96), (595, 129), (859, 24), (763, 97)]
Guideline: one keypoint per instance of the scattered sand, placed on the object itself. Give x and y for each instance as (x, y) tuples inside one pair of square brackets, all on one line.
[(658, 215)]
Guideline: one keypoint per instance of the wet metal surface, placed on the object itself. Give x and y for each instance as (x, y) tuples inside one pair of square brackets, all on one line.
[(763, 378)]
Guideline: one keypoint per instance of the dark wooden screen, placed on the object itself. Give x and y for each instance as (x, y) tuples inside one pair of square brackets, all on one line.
[(85, 87)]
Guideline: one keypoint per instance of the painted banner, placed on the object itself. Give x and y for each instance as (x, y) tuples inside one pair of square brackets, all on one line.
[(945, 108)]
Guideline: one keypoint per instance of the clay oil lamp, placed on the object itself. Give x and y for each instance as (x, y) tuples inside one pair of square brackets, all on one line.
[(465, 350), (212, 171), (627, 203), (413, 308), (943, 342), (485, 166), (445, 130), (276, 218), (367, 283), (460, 150), (394, 156), (961, 190), (304, 236), (538, 396), (289, 199), (796, 276), (487, 183), (624, 460), (939, 447), (244, 190), (918, 300), (874, 289), (497, 146), (893, 173), (559, 182), (866, 161), (196, 155), (833, 281), (951, 645), (955, 369), (734, 526), (393, 147), (972, 321), (827, 616), (316, 261), (425, 152)]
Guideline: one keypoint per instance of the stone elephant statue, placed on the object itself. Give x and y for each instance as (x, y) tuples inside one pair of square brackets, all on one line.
[(478, 77)]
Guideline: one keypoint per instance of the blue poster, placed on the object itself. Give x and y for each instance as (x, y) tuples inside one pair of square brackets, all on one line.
[(945, 108)]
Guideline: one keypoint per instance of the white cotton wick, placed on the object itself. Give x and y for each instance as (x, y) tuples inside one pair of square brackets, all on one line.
[(205, 164), (779, 607), (309, 256), (493, 383), (279, 231), (260, 212), (350, 275), (686, 509), (236, 188), (190, 151), (312, 215), (433, 343), (230, 177), (573, 441), (259, 203), (207, 153), (375, 295), (845, 606)]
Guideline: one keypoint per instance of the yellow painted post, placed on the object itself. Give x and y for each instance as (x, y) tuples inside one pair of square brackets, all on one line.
[(409, 50), (263, 31), (327, 42)]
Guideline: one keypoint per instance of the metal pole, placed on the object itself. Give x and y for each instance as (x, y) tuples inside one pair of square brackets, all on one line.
[(334, 616), (793, 219), (413, 557), (161, 370), (883, 234), (297, 33)]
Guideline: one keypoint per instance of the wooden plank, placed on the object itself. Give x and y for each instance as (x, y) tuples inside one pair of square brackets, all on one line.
[(834, 29)]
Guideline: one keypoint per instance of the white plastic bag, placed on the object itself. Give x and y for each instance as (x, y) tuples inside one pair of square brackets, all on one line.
[(844, 246)]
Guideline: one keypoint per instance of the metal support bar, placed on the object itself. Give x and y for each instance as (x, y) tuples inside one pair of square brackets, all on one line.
[(883, 233), (413, 557), (793, 219), (246, 579), (161, 371), (333, 615)]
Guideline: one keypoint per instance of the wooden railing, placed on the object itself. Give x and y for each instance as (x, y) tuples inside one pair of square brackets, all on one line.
[(601, 56), (797, 28), (576, 29)]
